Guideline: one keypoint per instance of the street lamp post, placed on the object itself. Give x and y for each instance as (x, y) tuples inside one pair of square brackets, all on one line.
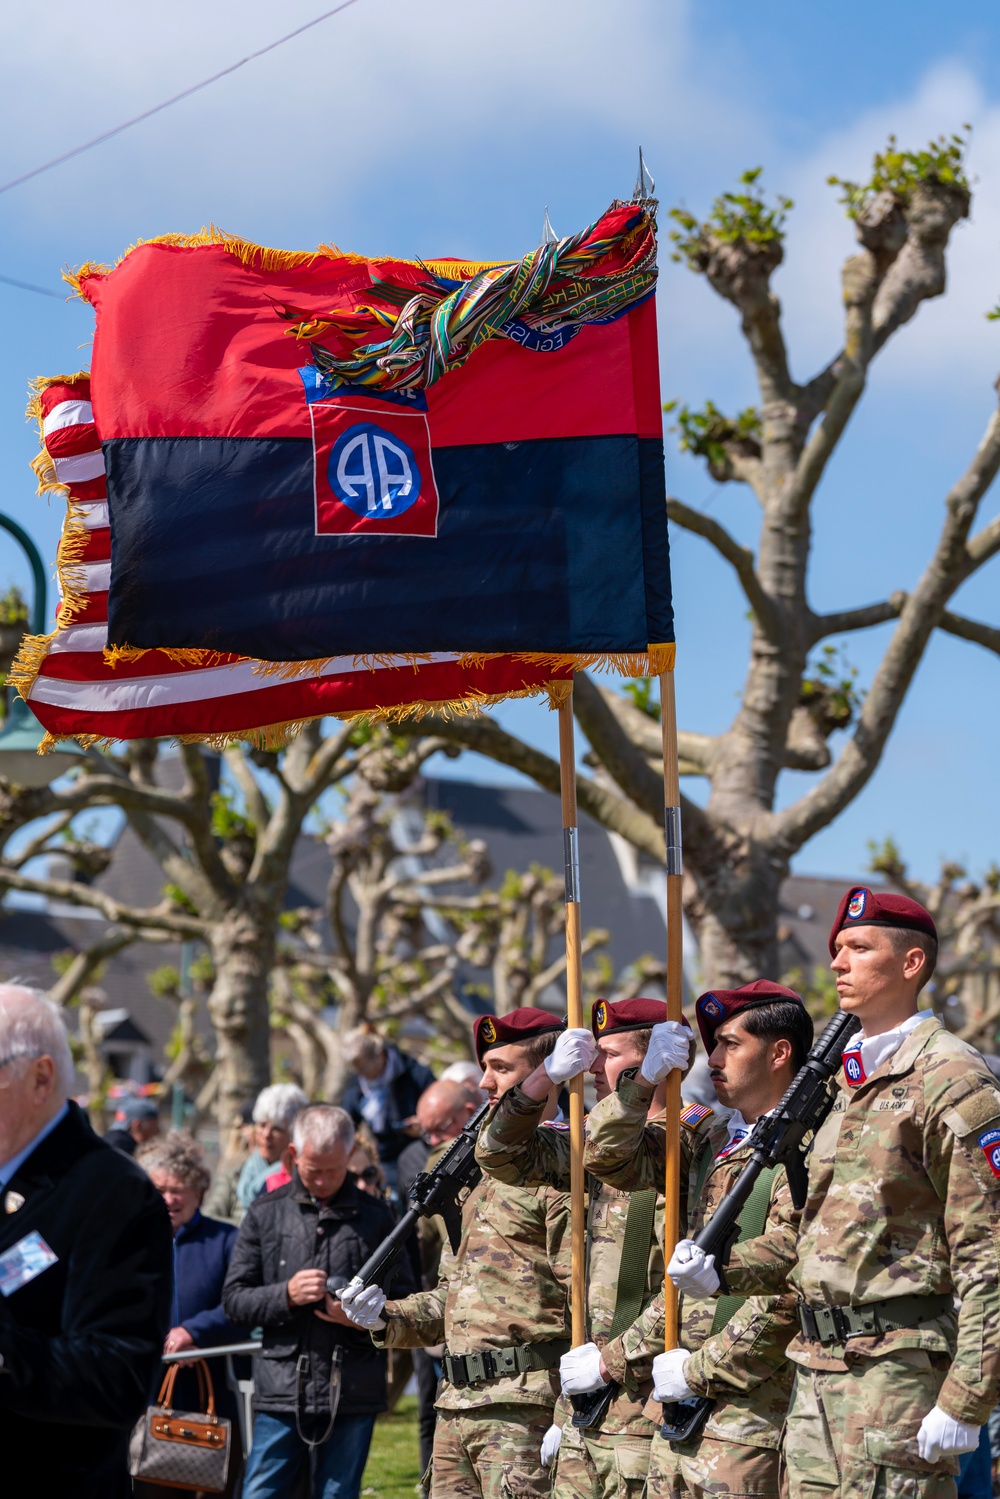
[(20, 761)]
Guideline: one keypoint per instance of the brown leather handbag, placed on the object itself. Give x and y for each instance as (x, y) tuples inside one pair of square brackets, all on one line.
[(182, 1449)]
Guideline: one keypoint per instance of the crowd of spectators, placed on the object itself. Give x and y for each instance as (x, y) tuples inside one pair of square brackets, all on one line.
[(155, 1259)]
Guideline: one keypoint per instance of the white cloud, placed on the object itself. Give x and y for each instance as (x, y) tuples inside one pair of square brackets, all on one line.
[(440, 93)]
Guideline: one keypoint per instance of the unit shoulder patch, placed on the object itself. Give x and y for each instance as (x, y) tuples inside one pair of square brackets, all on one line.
[(695, 1114)]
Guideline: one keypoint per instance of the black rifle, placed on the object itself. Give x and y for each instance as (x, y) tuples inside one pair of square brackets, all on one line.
[(776, 1140), (433, 1192)]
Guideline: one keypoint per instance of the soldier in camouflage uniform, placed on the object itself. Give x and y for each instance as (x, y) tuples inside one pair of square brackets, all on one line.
[(500, 1306), (756, 1037), (611, 1457), (902, 1217)]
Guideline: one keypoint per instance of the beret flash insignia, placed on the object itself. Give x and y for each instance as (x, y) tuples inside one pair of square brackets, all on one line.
[(488, 1031), (856, 905), (601, 1015)]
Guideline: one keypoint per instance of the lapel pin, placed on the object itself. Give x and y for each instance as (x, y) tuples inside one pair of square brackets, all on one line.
[(12, 1202)]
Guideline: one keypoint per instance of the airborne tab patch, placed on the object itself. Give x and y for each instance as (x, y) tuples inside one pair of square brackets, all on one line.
[(695, 1114)]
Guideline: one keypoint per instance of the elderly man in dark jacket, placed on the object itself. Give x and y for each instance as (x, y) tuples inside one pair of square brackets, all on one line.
[(85, 1272), (319, 1381)]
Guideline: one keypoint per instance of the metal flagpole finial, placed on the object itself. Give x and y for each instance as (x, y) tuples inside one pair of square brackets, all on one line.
[(549, 235), (645, 185)]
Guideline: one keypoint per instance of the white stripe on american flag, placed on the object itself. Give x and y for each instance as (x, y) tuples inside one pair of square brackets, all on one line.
[(67, 414), (78, 467)]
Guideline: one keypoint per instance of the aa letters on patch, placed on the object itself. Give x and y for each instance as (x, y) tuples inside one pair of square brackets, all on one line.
[(373, 470), (854, 1068), (28, 1258), (989, 1143)]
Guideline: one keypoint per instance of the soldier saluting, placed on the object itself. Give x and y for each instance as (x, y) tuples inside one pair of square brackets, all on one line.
[(500, 1305), (901, 1219), (624, 1242), (733, 1353)]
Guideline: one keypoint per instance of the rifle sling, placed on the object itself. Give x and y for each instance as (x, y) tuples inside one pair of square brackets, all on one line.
[(634, 1265), (751, 1220)]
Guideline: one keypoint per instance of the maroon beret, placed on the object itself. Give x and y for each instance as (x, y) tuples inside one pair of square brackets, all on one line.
[(519, 1025), (722, 1004), (627, 1015), (863, 907)]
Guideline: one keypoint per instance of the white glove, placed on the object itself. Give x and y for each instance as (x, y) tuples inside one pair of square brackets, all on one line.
[(669, 1047), (668, 1375), (550, 1445), (940, 1435), (580, 1370), (692, 1270), (573, 1053), (363, 1304)]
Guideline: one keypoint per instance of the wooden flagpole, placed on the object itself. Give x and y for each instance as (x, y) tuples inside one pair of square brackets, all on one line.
[(675, 975), (574, 1006)]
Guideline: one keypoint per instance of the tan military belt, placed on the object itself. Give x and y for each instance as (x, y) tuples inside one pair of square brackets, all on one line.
[(496, 1363), (836, 1324)]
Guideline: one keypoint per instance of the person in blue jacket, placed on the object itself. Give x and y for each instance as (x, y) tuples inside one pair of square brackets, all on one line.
[(202, 1251)]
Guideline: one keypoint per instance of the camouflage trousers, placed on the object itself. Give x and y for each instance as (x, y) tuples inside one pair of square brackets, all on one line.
[(708, 1468), (854, 1434), (493, 1452), (595, 1465)]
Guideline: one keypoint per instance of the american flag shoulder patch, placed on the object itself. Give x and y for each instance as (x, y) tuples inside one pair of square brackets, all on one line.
[(695, 1114)]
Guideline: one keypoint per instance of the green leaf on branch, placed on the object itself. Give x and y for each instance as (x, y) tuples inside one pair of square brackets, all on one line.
[(708, 433), (831, 692), (941, 162), (640, 690), (743, 215)]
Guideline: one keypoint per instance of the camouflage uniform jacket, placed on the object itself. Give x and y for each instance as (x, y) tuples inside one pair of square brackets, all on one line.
[(513, 1148), (507, 1285), (904, 1199), (744, 1367)]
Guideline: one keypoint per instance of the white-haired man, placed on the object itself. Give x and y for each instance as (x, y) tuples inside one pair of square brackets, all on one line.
[(85, 1270), (320, 1383)]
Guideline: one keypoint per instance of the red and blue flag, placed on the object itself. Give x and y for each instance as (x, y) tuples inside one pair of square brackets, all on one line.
[(312, 456)]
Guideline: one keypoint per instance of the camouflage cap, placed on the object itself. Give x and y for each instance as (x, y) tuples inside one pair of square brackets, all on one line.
[(519, 1025), (722, 1004), (863, 907)]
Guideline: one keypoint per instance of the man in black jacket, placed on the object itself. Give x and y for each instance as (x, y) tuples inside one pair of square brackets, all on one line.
[(86, 1274), (319, 1381)]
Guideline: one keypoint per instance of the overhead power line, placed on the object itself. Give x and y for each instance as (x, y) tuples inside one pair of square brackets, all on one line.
[(43, 291), (157, 108)]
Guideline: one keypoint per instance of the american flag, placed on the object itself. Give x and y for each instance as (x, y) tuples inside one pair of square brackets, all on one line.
[(74, 692)]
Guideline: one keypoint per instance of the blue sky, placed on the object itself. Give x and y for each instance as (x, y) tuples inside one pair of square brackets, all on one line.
[(432, 126)]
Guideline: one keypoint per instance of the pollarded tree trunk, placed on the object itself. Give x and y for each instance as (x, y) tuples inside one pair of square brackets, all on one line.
[(242, 946)]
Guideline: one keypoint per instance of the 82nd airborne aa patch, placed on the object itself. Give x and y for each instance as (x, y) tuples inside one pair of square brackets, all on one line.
[(854, 1068), (990, 1145)]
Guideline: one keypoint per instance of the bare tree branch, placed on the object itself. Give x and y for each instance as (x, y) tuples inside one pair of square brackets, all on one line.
[(156, 918), (740, 558), (821, 626), (613, 812), (921, 613), (87, 962), (970, 629), (256, 801)]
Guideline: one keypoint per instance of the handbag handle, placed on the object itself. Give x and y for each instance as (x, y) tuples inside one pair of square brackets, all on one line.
[(206, 1389)]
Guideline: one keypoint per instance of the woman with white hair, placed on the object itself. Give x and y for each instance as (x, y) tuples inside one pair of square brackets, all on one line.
[(238, 1183)]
